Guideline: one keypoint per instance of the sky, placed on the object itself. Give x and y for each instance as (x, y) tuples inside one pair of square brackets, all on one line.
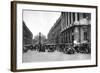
[(40, 21)]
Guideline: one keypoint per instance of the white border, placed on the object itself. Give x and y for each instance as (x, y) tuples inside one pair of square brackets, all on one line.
[(21, 65)]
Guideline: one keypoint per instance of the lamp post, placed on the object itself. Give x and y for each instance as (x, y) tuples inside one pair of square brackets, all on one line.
[(39, 37), (40, 40)]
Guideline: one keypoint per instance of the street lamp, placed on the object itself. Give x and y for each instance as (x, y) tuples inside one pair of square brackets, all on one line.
[(39, 37), (40, 40)]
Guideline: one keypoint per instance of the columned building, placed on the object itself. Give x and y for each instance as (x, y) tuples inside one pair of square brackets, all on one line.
[(75, 28), (71, 28)]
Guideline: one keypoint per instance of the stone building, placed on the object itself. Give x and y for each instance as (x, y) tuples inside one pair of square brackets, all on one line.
[(27, 35), (75, 28), (54, 33), (71, 28)]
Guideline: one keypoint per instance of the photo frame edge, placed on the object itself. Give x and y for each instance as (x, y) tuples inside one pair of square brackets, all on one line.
[(14, 37)]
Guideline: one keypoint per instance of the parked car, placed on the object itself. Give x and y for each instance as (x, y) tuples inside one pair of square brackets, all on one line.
[(27, 47), (84, 48), (70, 50), (77, 48), (51, 48)]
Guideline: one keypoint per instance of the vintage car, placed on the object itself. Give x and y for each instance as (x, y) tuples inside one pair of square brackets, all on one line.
[(70, 50), (85, 48), (50, 47), (27, 47)]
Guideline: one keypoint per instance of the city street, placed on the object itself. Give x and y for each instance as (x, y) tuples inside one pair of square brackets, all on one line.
[(35, 56)]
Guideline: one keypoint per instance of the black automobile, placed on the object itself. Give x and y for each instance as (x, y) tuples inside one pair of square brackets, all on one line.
[(85, 48), (51, 48), (27, 47), (70, 50)]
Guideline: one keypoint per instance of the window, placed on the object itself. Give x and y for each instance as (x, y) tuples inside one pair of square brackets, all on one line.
[(85, 35), (84, 15), (66, 37), (72, 38), (78, 16), (73, 35), (69, 36), (73, 17)]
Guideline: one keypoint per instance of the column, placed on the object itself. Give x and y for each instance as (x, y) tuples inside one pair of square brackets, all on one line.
[(68, 19), (76, 19), (71, 18), (64, 20)]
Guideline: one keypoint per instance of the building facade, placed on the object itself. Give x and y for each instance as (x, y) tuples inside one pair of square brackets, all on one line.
[(71, 28), (54, 33), (27, 35), (75, 28)]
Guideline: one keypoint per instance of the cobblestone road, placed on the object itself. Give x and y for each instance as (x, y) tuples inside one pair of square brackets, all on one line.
[(34, 56)]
